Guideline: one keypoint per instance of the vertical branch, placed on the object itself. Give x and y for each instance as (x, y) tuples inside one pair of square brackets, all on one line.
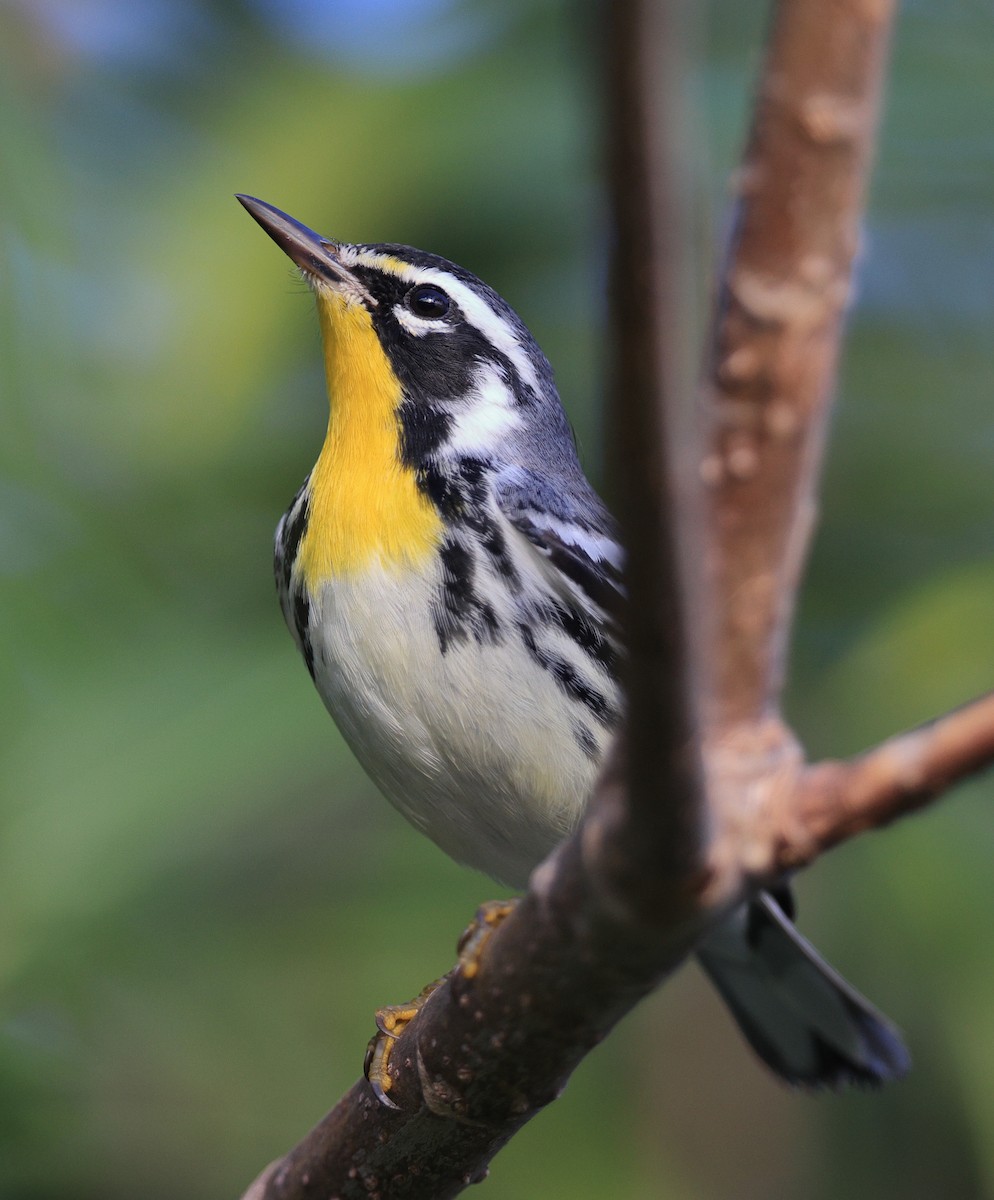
[(647, 389), (775, 341)]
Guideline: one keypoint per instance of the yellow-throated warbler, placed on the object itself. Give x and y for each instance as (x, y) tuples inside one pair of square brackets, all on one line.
[(451, 579)]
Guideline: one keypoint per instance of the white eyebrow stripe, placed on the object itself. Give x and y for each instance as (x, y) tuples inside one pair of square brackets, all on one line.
[(476, 310)]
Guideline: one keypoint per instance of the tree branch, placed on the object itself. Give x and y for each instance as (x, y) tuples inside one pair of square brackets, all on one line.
[(646, 388), (491, 1047), (837, 800), (777, 331), (488, 1051), (797, 813)]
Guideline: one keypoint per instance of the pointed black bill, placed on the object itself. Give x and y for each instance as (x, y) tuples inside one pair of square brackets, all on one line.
[(311, 252)]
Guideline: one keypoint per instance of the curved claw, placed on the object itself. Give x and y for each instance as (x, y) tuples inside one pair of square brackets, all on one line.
[(391, 1021), (374, 1067)]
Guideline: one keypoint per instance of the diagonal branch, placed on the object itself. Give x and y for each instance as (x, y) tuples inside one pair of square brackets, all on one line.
[(491, 1047), (777, 331)]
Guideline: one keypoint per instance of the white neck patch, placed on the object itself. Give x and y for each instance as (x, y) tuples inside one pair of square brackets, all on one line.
[(485, 416)]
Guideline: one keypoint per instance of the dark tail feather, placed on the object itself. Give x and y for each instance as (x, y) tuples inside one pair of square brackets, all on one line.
[(799, 1015)]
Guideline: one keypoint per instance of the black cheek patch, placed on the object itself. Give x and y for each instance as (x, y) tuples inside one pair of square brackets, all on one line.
[(432, 366), (423, 429)]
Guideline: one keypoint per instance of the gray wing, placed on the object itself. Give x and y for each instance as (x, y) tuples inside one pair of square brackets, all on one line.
[(574, 535)]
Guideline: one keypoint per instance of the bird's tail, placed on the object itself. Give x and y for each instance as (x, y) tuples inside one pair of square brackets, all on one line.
[(799, 1015)]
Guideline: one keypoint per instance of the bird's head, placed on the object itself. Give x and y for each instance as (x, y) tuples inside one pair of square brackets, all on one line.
[(466, 375)]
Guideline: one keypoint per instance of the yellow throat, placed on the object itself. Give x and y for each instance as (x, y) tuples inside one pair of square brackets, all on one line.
[(365, 505)]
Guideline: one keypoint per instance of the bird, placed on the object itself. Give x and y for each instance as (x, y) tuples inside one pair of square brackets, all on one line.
[(456, 588)]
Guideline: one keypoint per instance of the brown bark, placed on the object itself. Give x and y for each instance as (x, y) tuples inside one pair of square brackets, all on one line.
[(769, 385), (663, 758), (487, 1052)]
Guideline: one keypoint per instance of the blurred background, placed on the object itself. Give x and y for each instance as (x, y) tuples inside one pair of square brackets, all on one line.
[(202, 900)]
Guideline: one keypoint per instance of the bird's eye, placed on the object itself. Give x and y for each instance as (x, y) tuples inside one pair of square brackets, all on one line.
[(427, 301)]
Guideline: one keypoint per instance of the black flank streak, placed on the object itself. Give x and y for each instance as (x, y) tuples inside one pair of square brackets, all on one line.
[(443, 491), (460, 611), (569, 679), (492, 538), (585, 740), (448, 629), (595, 580), (289, 544), (301, 620), (294, 599), (457, 571), (489, 626), (582, 631), (462, 497), (472, 474), (477, 515), (599, 579)]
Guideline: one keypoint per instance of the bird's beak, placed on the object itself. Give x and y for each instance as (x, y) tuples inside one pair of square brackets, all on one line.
[(316, 256)]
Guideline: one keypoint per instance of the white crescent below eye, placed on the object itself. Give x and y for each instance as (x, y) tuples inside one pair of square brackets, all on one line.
[(419, 326)]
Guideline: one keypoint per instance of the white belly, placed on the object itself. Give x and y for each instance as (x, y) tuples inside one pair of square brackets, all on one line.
[(476, 746)]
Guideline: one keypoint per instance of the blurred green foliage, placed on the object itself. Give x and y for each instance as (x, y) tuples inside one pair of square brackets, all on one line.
[(201, 899)]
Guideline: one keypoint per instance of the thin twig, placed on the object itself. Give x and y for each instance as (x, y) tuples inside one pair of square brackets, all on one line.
[(837, 800)]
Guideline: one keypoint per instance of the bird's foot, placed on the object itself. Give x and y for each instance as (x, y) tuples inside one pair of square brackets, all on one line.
[(478, 933), (393, 1019)]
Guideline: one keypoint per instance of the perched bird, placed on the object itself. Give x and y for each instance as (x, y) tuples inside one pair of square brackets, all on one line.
[(453, 583)]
